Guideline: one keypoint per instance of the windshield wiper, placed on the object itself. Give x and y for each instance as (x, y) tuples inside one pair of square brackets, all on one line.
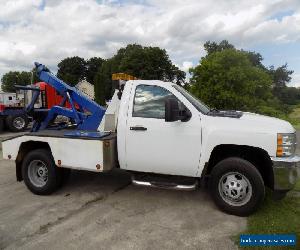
[(214, 110)]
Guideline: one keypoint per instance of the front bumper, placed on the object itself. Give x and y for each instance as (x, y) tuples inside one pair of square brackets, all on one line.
[(286, 172)]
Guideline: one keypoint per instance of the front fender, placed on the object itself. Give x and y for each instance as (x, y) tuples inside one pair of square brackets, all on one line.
[(213, 138)]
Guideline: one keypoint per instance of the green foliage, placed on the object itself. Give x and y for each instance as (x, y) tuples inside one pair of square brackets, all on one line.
[(103, 82), (92, 67), (147, 63), (276, 217), (288, 95), (72, 70), (281, 76), (34, 77), (254, 57), (294, 118), (227, 79), (212, 47), (15, 78)]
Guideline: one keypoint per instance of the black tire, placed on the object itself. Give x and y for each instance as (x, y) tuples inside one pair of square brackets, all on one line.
[(45, 159), (244, 172), (1, 124), (15, 126)]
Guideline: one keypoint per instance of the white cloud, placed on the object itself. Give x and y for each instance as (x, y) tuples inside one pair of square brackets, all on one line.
[(295, 82), (32, 31), (14, 11), (186, 65)]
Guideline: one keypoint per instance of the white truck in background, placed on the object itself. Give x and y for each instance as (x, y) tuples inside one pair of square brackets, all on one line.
[(9, 99), (12, 115), (167, 138)]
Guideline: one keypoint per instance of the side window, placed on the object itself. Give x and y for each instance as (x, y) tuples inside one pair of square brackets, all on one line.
[(149, 101)]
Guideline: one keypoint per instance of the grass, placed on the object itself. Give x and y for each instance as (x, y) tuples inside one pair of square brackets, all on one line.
[(294, 117), (297, 187), (276, 217)]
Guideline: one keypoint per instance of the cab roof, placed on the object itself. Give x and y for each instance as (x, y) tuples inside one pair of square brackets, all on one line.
[(149, 82)]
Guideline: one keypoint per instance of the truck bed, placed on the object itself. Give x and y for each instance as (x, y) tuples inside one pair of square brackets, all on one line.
[(85, 153), (62, 134)]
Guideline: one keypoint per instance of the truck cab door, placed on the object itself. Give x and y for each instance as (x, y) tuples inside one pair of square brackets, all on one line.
[(154, 145)]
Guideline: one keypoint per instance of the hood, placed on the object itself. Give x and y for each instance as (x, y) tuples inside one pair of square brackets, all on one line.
[(268, 122), (251, 122)]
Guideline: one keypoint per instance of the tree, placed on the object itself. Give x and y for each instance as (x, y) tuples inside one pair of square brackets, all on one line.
[(15, 78), (92, 67), (254, 57), (34, 77), (227, 79), (72, 70), (288, 95), (103, 82), (147, 63), (212, 47), (281, 76)]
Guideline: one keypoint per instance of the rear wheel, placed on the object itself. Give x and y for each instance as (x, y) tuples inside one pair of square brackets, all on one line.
[(237, 186), (40, 173), (17, 123)]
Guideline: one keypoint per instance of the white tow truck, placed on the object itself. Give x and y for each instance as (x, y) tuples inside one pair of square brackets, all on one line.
[(167, 138)]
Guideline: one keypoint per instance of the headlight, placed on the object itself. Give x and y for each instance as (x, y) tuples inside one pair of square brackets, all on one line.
[(286, 145)]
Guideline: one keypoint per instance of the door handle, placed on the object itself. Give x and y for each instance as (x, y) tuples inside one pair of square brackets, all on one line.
[(138, 128)]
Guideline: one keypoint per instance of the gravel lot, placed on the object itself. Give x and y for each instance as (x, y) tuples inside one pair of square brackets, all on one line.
[(104, 211)]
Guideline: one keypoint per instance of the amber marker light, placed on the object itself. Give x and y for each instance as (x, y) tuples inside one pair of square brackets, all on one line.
[(279, 152)]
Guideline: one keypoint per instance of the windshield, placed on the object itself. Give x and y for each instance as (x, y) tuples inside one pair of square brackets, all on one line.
[(193, 100)]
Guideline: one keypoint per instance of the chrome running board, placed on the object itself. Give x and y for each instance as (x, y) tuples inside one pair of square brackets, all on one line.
[(165, 185)]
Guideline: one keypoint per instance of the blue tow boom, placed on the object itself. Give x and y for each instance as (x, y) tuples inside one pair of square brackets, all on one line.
[(86, 113)]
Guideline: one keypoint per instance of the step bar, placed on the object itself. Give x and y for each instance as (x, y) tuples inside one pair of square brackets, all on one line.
[(165, 185)]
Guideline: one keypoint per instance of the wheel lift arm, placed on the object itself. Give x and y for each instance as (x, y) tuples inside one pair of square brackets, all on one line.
[(88, 122)]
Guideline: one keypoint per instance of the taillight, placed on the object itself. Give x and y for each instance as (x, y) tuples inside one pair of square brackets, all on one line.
[(2, 107)]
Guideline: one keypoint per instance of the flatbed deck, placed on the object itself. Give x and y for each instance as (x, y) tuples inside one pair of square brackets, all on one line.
[(62, 134)]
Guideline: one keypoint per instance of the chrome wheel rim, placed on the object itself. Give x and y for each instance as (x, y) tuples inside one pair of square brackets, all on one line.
[(235, 189), (19, 122), (38, 173)]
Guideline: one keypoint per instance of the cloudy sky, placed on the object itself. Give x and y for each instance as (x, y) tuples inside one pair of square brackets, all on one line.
[(50, 30)]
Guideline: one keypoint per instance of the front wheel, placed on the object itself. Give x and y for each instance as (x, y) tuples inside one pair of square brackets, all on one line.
[(237, 186), (40, 173)]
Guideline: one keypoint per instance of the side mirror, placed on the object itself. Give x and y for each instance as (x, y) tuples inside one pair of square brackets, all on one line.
[(173, 112)]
